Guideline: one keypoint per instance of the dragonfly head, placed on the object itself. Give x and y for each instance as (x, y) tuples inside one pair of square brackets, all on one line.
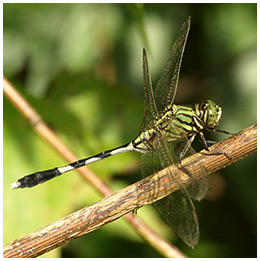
[(210, 113)]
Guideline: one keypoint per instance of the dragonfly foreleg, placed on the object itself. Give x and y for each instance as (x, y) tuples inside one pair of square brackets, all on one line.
[(222, 131)]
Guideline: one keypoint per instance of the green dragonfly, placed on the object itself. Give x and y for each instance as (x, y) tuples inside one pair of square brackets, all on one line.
[(166, 135)]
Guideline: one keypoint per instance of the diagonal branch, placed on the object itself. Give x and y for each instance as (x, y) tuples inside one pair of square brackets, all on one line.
[(132, 197)]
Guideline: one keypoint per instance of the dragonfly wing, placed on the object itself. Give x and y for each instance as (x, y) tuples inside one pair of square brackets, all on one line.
[(169, 154), (150, 110), (199, 187), (166, 87), (180, 213), (177, 208), (150, 163)]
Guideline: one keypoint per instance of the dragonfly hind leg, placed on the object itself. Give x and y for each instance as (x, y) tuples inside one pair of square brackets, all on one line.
[(183, 153)]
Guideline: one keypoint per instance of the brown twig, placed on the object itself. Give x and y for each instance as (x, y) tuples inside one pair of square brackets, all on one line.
[(132, 197), (44, 131)]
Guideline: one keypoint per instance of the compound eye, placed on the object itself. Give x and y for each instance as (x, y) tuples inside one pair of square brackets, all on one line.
[(219, 113)]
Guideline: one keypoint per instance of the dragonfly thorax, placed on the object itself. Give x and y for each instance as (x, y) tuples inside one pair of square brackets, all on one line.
[(176, 122), (209, 112)]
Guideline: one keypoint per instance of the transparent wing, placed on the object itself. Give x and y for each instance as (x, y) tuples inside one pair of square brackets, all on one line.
[(150, 110), (177, 208), (150, 163), (199, 188), (180, 213), (166, 87)]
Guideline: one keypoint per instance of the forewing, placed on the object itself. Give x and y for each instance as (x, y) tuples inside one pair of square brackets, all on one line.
[(166, 87), (150, 110)]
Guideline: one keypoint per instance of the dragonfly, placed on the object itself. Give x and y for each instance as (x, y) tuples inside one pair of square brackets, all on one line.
[(166, 135)]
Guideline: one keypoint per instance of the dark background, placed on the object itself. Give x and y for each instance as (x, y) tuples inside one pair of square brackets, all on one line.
[(80, 66)]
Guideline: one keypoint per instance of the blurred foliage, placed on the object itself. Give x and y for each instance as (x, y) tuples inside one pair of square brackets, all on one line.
[(80, 66)]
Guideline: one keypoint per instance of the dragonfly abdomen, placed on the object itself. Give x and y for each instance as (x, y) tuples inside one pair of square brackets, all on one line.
[(147, 141)]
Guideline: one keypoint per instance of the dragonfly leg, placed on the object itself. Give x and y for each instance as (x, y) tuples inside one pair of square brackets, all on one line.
[(185, 149), (183, 152), (213, 153), (206, 142), (134, 212), (222, 131), (211, 142)]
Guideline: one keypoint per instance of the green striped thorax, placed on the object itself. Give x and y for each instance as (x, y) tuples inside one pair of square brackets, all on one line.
[(176, 122)]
